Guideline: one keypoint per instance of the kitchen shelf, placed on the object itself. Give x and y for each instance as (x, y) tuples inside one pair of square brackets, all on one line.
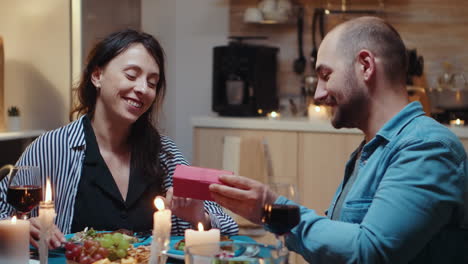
[(354, 12)]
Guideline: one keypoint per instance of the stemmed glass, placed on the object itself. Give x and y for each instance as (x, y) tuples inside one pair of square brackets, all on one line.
[(24, 189), (281, 218)]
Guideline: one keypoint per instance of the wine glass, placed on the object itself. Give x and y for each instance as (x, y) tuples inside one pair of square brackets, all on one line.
[(24, 189), (281, 218)]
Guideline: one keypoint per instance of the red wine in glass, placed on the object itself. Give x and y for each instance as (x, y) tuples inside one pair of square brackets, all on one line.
[(24, 198), (281, 218), (24, 188)]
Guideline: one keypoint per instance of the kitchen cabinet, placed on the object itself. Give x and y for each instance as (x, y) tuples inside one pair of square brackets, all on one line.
[(322, 159), (208, 145), (313, 161), (464, 141)]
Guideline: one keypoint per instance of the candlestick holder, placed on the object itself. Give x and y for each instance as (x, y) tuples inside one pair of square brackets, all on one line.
[(46, 221)]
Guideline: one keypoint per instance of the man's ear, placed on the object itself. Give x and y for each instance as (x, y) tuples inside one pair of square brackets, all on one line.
[(96, 77), (366, 62)]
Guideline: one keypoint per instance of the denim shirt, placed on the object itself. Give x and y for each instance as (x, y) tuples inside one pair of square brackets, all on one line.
[(405, 206)]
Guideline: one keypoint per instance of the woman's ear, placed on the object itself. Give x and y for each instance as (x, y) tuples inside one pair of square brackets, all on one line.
[(366, 62), (96, 78)]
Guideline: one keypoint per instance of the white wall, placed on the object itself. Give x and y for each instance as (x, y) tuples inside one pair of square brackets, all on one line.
[(188, 31), (36, 35)]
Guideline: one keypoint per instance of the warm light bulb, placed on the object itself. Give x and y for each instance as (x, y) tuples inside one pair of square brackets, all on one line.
[(318, 109), (200, 227), (48, 196), (457, 121), (13, 220), (159, 203)]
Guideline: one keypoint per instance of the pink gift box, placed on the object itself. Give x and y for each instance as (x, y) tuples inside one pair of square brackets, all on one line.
[(193, 182)]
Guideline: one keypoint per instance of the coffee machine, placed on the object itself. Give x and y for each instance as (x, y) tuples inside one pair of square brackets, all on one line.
[(244, 79)]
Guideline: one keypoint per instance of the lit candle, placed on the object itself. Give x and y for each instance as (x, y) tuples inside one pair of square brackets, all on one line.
[(273, 115), (161, 221), (161, 232), (46, 221), (14, 241), (193, 237), (457, 122), (316, 112)]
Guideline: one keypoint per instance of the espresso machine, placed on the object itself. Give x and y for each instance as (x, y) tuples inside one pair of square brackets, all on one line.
[(244, 78)]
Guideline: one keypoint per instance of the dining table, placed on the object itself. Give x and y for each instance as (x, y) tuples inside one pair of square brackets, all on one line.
[(57, 256)]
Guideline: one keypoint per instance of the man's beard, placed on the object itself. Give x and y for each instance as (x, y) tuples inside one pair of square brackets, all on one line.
[(349, 113)]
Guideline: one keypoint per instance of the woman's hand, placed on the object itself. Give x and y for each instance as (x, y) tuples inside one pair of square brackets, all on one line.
[(56, 237), (190, 210)]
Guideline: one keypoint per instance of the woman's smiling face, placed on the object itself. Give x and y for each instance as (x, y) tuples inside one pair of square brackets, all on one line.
[(127, 85)]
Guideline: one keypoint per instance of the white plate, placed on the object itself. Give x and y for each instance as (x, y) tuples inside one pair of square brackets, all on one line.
[(175, 256), (34, 261)]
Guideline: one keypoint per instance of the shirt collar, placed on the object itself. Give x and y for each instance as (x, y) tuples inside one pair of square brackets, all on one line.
[(400, 120), (76, 135)]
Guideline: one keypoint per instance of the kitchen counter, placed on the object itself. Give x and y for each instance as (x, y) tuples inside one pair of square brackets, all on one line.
[(23, 134), (286, 124)]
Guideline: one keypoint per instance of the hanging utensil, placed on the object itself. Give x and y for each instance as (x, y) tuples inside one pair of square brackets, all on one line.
[(310, 81), (318, 17), (300, 62)]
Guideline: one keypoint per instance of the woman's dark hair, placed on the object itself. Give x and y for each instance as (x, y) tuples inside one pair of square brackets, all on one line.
[(144, 139)]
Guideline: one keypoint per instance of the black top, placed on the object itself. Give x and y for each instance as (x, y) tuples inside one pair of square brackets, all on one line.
[(99, 203)]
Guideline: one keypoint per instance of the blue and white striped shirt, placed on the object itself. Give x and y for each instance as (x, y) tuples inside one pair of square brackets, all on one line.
[(60, 154)]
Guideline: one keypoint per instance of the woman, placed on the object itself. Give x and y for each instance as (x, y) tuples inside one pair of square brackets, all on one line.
[(108, 166)]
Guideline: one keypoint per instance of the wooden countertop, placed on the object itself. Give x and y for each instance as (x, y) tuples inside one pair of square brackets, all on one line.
[(284, 124)]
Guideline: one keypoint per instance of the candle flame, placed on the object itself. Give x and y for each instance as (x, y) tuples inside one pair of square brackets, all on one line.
[(318, 109), (159, 203), (13, 220), (48, 195), (457, 121), (200, 227), (273, 114)]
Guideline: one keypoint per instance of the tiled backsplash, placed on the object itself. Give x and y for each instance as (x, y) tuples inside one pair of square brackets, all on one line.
[(435, 28)]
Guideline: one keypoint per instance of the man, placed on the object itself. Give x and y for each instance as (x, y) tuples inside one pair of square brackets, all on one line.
[(402, 197)]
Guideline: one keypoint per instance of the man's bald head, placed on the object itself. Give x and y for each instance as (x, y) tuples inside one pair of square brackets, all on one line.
[(377, 36)]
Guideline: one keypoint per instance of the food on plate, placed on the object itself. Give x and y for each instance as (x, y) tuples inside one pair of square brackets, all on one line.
[(181, 244), (135, 255), (141, 254), (128, 260), (88, 252), (87, 233), (90, 233), (113, 246)]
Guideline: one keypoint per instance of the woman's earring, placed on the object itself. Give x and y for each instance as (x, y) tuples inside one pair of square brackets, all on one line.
[(98, 88)]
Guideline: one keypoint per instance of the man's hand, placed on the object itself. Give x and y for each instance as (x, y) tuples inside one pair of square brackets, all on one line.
[(243, 196), (190, 210), (56, 237)]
